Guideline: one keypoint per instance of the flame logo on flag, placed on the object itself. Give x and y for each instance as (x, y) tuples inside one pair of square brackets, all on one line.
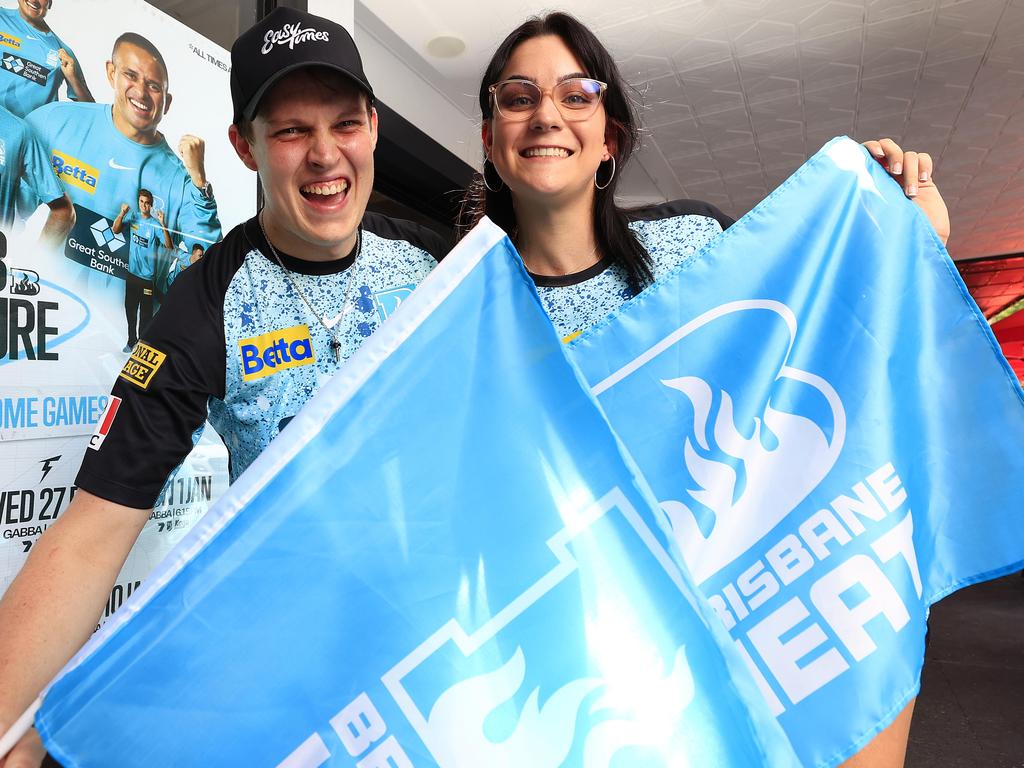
[(749, 488), (544, 735)]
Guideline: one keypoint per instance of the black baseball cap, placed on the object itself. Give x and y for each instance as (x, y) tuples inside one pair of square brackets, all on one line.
[(283, 41)]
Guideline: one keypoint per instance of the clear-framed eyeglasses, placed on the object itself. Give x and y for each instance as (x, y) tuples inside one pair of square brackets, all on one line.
[(576, 98)]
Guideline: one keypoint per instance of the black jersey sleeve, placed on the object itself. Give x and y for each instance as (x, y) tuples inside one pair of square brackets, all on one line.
[(434, 243), (680, 208), (160, 397)]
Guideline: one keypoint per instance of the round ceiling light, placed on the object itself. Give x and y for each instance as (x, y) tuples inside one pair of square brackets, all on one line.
[(446, 47)]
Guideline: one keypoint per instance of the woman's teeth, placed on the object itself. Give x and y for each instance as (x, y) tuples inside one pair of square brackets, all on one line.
[(546, 152), (325, 189)]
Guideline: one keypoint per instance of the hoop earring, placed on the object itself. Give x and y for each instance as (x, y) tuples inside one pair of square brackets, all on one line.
[(610, 176), (501, 183)]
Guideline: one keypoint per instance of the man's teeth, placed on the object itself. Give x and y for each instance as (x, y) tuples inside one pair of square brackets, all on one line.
[(139, 105), (326, 189), (546, 152)]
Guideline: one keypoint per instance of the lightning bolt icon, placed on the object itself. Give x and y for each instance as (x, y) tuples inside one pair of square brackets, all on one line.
[(48, 465)]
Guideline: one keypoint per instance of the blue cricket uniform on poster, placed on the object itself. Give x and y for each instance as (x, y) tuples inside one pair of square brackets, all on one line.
[(30, 73), (144, 243), (24, 168), (101, 169)]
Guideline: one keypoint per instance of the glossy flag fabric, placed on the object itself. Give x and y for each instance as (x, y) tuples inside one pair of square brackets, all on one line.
[(444, 560), (833, 434)]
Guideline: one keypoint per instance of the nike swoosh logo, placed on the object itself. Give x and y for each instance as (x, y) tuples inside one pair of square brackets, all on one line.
[(333, 322), (117, 167)]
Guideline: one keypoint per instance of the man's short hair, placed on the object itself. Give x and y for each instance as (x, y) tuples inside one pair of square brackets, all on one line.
[(134, 38), (198, 247), (146, 194)]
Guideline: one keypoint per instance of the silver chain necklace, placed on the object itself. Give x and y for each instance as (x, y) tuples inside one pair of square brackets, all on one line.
[(328, 325)]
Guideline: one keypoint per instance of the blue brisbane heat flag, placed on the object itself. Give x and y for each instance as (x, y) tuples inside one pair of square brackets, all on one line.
[(445, 559), (833, 434)]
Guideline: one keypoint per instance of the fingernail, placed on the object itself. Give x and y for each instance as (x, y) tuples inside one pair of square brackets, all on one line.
[(897, 169), (878, 153), (912, 190), (924, 175)]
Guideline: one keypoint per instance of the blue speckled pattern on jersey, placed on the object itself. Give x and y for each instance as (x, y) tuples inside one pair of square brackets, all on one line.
[(260, 300), (670, 241)]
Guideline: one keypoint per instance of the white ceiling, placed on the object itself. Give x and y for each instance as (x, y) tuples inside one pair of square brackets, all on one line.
[(737, 93)]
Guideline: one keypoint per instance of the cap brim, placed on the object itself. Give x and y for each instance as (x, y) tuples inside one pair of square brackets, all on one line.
[(249, 112)]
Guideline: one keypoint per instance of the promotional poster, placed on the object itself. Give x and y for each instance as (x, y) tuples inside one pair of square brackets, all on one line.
[(115, 176)]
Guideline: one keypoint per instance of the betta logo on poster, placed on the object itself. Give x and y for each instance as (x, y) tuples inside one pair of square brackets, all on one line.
[(75, 172)]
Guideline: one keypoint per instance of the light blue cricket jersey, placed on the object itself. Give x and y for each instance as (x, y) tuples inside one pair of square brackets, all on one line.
[(145, 241), (24, 168), (238, 344), (30, 73), (671, 233), (101, 169)]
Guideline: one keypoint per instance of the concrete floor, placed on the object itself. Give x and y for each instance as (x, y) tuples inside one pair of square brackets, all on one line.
[(970, 713)]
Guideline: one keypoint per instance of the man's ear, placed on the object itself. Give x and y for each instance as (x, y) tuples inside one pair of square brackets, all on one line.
[(110, 73), (373, 127), (243, 148), (168, 98)]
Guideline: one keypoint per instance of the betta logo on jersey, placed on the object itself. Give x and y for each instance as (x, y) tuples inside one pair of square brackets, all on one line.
[(73, 171), (10, 40), (142, 365), (276, 351)]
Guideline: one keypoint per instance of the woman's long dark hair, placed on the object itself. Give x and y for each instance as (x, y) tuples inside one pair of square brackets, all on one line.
[(615, 239)]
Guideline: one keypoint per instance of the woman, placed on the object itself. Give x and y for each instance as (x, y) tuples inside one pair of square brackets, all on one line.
[(558, 128), (551, 170)]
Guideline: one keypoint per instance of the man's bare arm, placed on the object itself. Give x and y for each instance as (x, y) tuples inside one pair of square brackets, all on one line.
[(53, 605), (59, 222)]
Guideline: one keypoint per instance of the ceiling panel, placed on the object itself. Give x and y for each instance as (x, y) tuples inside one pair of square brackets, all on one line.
[(737, 93)]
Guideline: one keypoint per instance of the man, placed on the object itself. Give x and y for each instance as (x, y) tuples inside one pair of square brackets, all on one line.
[(247, 334), (34, 60), (148, 236), (100, 169), (25, 172)]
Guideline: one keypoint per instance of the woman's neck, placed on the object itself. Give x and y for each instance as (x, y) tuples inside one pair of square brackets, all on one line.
[(557, 240)]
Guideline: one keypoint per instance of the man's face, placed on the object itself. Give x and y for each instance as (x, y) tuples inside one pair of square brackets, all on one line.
[(197, 254), (140, 89), (33, 10), (145, 205), (312, 145)]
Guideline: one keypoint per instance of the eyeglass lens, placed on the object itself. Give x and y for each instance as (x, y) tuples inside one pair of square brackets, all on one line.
[(576, 98)]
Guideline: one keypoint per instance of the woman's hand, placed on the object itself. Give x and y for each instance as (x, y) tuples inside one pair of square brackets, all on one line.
[(913, 172)]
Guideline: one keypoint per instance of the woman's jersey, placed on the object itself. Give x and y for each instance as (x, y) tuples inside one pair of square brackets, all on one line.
[(235, 341), (670, 232)]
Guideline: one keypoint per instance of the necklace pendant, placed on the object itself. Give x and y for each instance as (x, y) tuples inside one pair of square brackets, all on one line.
[(336, 349)]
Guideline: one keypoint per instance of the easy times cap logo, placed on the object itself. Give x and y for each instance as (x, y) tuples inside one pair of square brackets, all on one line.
[(290, 35)]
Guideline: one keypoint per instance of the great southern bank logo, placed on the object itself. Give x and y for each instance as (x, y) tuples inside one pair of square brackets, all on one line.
[(503, 686), (743, 481), (104, 236)]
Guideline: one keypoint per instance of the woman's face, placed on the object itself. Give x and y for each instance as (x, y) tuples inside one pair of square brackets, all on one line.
[(546, 158)]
